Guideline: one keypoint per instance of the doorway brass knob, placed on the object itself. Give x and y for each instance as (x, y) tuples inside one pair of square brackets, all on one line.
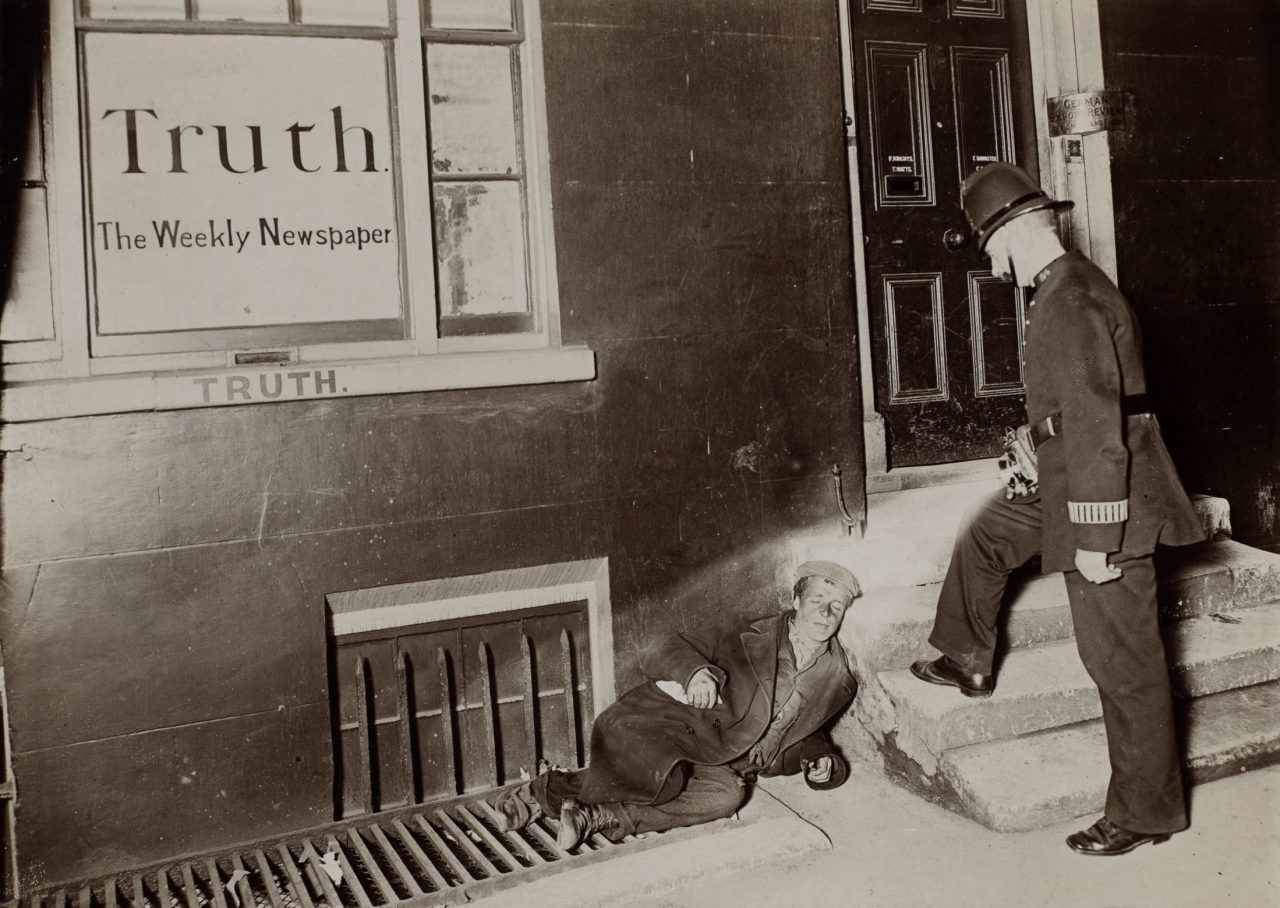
[(955, 239)]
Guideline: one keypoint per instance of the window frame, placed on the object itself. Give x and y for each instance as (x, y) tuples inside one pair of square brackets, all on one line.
[(46, 378)]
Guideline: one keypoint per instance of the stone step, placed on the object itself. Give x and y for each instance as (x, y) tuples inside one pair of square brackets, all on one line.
[(1047, 686), (1200, 586), (910, 534), (889, 628), (1049, 777), (908, 539)]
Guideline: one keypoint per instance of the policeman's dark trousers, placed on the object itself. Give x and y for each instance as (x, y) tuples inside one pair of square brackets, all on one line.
[(1118, 636), (708, 793)]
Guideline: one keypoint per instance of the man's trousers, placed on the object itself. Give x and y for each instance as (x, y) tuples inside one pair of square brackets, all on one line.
[(1118, 635), (708, 793)]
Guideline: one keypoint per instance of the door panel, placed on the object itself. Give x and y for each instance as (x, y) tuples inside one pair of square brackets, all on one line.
[(914, 332), (997, 310), (984, 108), (901, 140), (943, 88)]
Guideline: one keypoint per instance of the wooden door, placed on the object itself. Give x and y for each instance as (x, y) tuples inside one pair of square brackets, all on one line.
[(943, 87)]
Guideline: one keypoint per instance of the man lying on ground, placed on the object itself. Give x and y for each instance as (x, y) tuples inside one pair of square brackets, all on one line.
[(720, 707)]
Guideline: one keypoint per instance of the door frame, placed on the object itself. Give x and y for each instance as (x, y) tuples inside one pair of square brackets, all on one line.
[(1065, 47)]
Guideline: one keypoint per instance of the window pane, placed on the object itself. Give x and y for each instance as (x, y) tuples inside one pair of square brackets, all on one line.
[(473, 119), (344, 12), (486, 15), (242, 10), (480, 247), (28, 311), (136, 9)]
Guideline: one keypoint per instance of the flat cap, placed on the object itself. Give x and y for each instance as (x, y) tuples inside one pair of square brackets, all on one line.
[(838, 574)]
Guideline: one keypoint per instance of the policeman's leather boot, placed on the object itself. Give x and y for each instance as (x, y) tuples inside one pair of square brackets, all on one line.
[(517, 808), (1105, 839), (945, 670), (579, 821)]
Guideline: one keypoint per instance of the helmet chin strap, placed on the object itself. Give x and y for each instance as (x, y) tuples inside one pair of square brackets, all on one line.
[(1032, 247)]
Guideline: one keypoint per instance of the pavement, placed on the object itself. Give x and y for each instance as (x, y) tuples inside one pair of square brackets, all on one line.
[(891, 848), (644, 868)]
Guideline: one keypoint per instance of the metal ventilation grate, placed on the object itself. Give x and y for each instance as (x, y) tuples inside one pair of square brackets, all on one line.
[(438, 709), (445, 853)]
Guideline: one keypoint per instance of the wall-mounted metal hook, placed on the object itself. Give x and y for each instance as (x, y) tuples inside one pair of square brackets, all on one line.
[(850, 522)]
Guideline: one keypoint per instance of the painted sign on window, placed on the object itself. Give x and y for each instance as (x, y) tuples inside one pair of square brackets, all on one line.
[(239, 182)]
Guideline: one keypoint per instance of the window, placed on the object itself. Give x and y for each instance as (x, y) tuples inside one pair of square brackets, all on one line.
[(478, 169), (272, 199)]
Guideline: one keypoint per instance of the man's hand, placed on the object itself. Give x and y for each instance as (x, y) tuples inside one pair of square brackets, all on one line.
[(819, 770), (702, 690), (1095, 568)]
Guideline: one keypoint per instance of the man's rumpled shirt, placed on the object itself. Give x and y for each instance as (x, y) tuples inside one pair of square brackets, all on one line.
[(791, 695)]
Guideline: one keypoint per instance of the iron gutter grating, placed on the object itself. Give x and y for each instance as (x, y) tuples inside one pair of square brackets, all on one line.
[(442, 853)]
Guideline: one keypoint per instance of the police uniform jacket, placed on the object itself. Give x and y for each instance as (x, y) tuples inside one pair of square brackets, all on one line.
[(642, 744), (1107, 483)]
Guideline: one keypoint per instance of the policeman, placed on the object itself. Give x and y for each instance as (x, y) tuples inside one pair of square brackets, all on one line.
[(1108, 493)]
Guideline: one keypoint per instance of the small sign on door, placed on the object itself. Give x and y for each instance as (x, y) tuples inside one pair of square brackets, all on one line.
[(1086, 112)]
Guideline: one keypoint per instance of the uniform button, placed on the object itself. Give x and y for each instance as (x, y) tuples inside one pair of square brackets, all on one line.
[(1026, 321), (688, 729), (715, 723)]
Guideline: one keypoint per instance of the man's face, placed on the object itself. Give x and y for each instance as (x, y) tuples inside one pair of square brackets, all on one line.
[(819, 609), (998, 251)]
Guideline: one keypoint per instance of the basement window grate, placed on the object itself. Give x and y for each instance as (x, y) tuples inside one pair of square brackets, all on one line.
[(445, 853), (463, 684)]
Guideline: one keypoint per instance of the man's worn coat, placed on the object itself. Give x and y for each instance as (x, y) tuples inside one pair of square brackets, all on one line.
[(641, 744), (1107, 483)]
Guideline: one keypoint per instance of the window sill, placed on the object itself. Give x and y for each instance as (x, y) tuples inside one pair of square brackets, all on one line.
[(143, 391)]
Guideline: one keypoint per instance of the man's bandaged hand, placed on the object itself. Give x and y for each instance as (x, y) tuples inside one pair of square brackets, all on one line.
[(819, 770)]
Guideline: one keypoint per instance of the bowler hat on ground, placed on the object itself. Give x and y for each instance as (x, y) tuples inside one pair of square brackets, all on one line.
[(996, 194), (838, 574)]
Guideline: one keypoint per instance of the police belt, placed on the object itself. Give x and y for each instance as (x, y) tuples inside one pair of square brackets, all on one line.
[(1042, 431)]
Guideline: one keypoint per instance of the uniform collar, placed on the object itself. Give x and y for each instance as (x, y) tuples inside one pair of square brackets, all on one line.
[(1047, 271)]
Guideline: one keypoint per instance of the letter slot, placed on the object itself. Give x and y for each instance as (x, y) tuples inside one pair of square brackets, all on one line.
[(903, 185)]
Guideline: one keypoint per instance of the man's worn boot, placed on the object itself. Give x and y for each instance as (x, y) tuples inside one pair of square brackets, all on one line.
[(579, 821), (517, 808)]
